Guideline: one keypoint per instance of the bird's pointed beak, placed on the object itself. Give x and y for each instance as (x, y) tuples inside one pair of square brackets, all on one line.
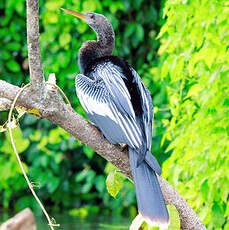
[(78, 15)]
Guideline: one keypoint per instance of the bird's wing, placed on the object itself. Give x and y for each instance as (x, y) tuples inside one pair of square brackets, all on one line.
[(113, 79), (103, 108), (147, 107)]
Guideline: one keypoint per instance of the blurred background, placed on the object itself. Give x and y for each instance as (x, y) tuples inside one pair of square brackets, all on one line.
[(180, 49)]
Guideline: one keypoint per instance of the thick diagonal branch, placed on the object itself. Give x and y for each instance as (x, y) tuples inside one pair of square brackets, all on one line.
[(57, 112), (4, 104)]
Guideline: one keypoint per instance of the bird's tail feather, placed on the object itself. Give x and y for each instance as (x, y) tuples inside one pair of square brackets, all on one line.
[(151, 204)]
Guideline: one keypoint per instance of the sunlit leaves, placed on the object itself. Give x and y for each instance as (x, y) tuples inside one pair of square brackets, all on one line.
[(21, 143), (174, 218), (197, 94), (2, 129), (64, 39), (54, 5), (194, 90)]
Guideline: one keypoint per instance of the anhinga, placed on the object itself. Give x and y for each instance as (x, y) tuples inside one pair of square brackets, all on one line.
[(115, 99)]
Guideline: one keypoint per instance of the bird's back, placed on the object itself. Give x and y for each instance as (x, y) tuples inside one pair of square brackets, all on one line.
[(127, 102), (115, 64)]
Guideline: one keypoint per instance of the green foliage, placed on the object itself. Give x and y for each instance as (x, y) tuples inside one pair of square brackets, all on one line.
[(174, 218), (72, 176), (194, 59), (10, 170)]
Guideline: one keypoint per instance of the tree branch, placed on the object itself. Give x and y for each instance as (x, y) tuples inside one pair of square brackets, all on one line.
[(53, 108), (4, 104), (57, 112), (33, 43)]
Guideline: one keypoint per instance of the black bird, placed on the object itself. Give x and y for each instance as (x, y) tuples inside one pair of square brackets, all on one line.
[(115, 99)]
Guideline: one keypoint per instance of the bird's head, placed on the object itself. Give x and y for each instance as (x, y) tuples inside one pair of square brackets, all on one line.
[(105, 34), (94, 20)]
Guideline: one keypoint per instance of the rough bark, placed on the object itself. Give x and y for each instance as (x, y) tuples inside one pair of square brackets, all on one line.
[(59, 113), (4, 104), (33, 44), (24, 220), (52, 107)]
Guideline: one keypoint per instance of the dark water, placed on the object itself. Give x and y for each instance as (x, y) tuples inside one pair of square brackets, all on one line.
[(68, 222)]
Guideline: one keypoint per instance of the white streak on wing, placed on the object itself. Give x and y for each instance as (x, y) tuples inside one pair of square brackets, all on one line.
[(94, 106), (134, 138), (108, 109), (95, 99), (114, 78), (148, 120), (118, 121), (135, 129)]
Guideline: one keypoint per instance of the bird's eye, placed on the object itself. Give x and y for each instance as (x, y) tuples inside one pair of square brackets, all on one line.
[(92, 16)]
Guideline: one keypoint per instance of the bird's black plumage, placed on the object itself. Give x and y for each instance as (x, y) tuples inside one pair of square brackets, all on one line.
[(129, 78), (118, 103)]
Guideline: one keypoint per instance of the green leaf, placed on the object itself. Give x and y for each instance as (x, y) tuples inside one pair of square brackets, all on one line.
[(2, 129), (51, 17), (174, 218), (5, 55), (88, 151), (130, 29), (52, 184), (193, 91), (217, 215), (54, 5), (13, 46), (35, 136), (114, 183), (100, 183), (109, 168), (54, 137), (13, 66), (82, 175), (58, 157), (34, 111), (89, 5), (64, 39), (139, 32), (82, 212), (21, 144)]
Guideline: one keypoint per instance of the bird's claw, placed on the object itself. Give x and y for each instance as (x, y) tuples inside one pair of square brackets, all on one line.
[(103, 138), (123, 147)]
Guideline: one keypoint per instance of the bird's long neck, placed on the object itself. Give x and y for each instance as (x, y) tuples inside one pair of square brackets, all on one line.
[(92, 50)]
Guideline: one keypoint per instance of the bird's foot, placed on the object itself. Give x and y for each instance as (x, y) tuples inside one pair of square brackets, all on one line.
[(103, 138), (123, 147)]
